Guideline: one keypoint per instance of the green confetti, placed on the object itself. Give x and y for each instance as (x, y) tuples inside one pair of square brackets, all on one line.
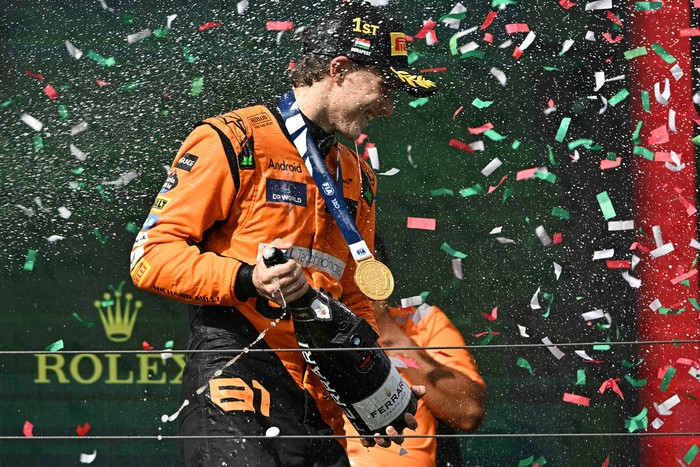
[(413, 56), (540, 461), (473, 53), (87, 324), (619, 97), (424, 296), (442, 192), (642, 151), (563, 128), (648, 6), (161, 32), (515, 145), (471, 191), (526, 462), (133, 228), (690, 396), (638, 422), (645, 101), (188, 56), (55, 347), (522, 363), (696, 140), (694, 302), (459, 16), (8, 103), (551, 68), (197, 85), (667, 378), (661, 52), (546, 176), (602, 347), (634, 53), (611, 156), (63, 112), (103, 193), (561, 213), (606, 205), (637, 383), (38, 142), (506, 194), (100, 238), (100, 59), (479, 104), (690, 455), (585, 142), (497, 3), (128, 18), (579, 298), (487, 340), (550, 155), (78, 171), (418, 102), (581, 377), (494, 135), (129, 86), (29, 262), (635, 135), (452, 252), (169, 344)]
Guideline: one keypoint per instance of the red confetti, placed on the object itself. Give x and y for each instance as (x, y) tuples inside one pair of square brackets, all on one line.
[(550, 103), (28, 429), (574, 399), (409, 363), (51, 92), (481, 129), (557, 238), (457, 112), (493, 188), (526, 174), (614, 19), (481, 334), (696, 3), (488, 37), (608, 164), (292, 64), (609, 38), (445, 354), (361, 139), (618, 264), (689, 32), (566, 4), (82, 430), (146, 346), (658, 136), (683, 277), (279, 25), (517, 52), (493, 316), (455, 143), (611, 384), (101, 83), (209, 25), (420, 223), (427, 28), (489, 19), (606, 462), (517, 27), (434, 70), (38, 76)]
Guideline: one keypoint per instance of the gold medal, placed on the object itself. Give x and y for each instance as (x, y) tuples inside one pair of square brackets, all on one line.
[(374, 279)]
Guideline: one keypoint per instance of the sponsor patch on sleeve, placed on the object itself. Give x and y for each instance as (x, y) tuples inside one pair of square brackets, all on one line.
[(186, 162), (285, 191), (140, 271), (160, 203), (170, 182), (151, 222)]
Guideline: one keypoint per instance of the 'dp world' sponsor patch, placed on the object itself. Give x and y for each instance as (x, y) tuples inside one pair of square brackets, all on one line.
[(186, 162), (285, 191)]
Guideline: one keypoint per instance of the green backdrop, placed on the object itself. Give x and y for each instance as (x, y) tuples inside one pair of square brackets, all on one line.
[(161, 86)]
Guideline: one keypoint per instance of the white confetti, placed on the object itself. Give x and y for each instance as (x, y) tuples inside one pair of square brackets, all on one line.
[(73, 51), (658, 238), (411, 301), (373, 157), (468, 47), (123, 179), (499, 75), (655, 305), (477, 145), (242, 6), (566, 46), (543, 235), (410, 158), (457, 268), (620, 225), (662, 97), (529, 39), (80, 155), (88, 458), (593, 315), (665, 407), (677, 71), (139, 36), (390, 172), (504, 240), (672, 120), (535, 301), (632, 281), (523, 331), (79, 128), (599, 5), (635, 261), (557, 270), (33, 123), (402, 452), (497, 230), (657, 423), (583, 355), (603, 254), (599, 80), (662, 250), (54, 238), (106, 7), (29, 212), (491, 167), (694, 243), (590, 36), (170, 20), (64, 212), (451, 22), (558, 354)]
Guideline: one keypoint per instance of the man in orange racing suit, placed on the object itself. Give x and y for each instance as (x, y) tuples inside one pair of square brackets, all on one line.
[(238, 183)]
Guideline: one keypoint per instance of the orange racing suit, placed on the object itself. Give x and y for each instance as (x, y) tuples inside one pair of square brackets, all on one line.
[(236, 184)]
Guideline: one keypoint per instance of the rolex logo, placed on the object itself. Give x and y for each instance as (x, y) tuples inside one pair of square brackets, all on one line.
[(117, 315)]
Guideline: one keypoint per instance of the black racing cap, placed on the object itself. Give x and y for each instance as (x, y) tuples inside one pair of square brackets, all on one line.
[(367, 35)]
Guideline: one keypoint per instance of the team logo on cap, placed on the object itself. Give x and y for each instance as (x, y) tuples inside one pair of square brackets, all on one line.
[(398, 43)]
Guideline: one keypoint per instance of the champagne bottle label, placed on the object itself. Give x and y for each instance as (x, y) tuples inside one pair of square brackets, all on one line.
[(387, 403)]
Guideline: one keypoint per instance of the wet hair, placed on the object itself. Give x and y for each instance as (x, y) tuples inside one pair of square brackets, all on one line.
[(309, 69)]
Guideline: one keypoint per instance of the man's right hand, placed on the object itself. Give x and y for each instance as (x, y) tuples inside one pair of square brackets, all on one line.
[(287, 278)]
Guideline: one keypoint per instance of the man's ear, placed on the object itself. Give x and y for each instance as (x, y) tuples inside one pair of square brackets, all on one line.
[(339, 66)]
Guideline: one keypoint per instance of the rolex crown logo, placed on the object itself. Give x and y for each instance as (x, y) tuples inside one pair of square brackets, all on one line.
[(118, 318)]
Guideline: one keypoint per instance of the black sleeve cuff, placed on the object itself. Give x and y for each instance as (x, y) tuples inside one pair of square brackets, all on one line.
[(243, 287)]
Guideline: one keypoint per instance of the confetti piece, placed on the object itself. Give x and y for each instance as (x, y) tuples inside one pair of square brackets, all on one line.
[(29, 262), (648, 6), (499, 75), (689, 32), (558, 354), (602, 254), (479, 104), (522, 363), (87, 324), (390, 172), (38, 142), (557, 270), (73, 51), (421, 223), (517, 27), (665, 407), (606, 205), (50, 92), (408, 302), (560, 213), (99, 237), (55, 347), (418, 102), (452, 252), (457, 268), (79, 128), (28, 429), (471, 191), (493, 316), (455, 143), (82, 430), (566, 4), (488, 20), (208, 25), (534, 301), (684, 276), (32, 122), (106, 62), (611, 384), (272, 432), (661, 52), (690, 455), (141, 35), (197, 85), (448, 192), (88, 458), (543, 235), (619, 97), (638, 422), (491, 167), (635, 53), (581, 377), (575, 399)]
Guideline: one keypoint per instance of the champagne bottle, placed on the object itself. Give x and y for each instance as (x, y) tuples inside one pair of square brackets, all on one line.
[(364, 383)]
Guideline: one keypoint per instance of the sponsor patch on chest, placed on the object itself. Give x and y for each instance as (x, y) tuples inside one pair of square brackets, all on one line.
[(285, 191)]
